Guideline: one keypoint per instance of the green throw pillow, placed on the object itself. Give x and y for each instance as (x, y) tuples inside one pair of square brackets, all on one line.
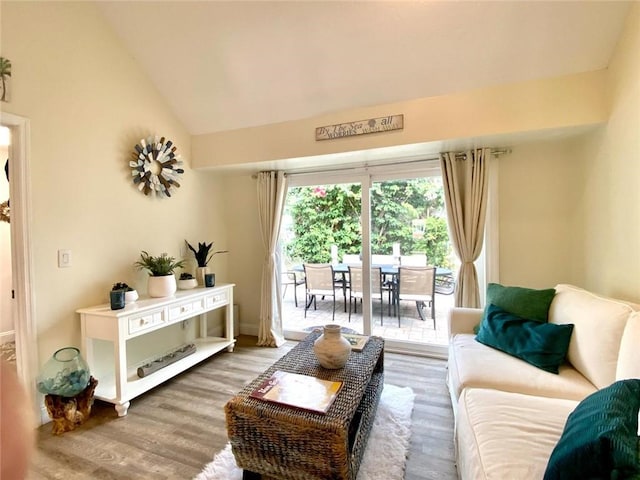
[(524, 302), (543, 345), (600, 437)]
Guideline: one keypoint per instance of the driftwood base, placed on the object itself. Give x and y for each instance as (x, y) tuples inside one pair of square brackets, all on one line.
[(69, 412)]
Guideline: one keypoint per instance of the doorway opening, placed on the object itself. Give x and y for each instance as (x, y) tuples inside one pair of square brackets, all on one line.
[(20, 295)]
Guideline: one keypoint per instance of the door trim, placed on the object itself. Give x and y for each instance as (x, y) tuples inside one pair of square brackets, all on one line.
[(22, 264)]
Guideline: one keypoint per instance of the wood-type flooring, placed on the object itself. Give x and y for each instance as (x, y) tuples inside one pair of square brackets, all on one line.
[(174, 430)]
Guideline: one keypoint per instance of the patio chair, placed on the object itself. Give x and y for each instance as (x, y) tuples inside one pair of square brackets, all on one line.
[(292, 278), (356, 292), (319, 280), (417, 284)]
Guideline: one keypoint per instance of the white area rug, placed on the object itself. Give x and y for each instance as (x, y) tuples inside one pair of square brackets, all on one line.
[(386, 453)]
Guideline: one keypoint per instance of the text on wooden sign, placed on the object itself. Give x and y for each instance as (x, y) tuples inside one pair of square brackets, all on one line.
[(361, 127)]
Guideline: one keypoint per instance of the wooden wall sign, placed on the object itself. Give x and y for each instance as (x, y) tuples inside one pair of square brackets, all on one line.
[(361, 127)]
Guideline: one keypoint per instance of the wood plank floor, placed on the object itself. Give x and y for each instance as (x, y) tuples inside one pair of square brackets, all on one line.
[(175, 429)]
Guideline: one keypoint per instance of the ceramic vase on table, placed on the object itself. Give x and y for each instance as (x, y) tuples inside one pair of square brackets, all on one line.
[(331, 349), (116, 299), (200, 273), (163, 286)]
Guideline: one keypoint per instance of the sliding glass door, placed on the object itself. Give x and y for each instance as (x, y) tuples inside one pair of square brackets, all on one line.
[(366, 225)]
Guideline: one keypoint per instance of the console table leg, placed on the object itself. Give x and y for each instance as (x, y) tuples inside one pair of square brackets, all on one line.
[(122, 408), (247, 475)]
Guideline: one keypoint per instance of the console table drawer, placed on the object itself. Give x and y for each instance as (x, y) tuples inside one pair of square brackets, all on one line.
[(185, 310), (143, 322), (218, 299)]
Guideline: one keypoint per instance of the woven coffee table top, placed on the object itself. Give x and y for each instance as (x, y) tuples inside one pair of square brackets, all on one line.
[(355, 376)]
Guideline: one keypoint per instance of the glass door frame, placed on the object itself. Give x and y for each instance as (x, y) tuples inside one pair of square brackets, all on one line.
[(366, 176), (342, 177)]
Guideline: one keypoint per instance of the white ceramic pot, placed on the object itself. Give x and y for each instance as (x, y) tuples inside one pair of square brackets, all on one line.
[(130, 296), (162, 286), (331, 349), (187, 284)]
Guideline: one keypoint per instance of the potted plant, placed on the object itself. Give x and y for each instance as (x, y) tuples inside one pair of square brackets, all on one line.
[(162, 281), (130, 294), (203, 257), (187, 281)]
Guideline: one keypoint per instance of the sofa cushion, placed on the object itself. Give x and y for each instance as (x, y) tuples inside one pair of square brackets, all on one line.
[(472, 364), (600, 437), (523, 302), (503, 435), (543, 345), (598, 326), (629, 356)]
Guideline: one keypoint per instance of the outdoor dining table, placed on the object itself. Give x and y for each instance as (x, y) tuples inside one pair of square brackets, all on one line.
[(444, 276), (343, 269)]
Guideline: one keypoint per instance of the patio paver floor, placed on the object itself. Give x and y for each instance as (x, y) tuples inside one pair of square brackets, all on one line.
[(411, 327)]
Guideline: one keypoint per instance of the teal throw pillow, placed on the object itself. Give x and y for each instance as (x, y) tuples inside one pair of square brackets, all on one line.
[(543, 345), (521, 301), (600, 437)]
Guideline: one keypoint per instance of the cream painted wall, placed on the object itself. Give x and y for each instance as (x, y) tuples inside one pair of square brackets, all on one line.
[(569, 101), (89, 104), (569, 210), (610, 214), (539, 186)]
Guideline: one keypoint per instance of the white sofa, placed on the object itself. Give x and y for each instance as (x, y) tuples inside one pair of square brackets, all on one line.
[(509, 415)]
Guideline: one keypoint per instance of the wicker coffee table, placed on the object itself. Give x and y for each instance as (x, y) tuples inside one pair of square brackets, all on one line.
[(288, 443)]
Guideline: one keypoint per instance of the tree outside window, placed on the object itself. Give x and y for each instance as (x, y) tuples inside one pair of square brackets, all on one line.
[(410, 212)]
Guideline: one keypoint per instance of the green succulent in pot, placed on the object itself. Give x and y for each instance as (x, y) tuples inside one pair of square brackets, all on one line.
[(187, 281), (121, 286), (159, 266)]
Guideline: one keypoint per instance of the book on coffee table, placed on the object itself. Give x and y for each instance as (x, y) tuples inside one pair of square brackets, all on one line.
[(299, 391), (357, 341)]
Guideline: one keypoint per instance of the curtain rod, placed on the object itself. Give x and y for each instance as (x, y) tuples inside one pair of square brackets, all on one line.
[(496, 152)]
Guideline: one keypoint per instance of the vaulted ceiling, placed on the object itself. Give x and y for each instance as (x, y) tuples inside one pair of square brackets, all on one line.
[(229, 65)]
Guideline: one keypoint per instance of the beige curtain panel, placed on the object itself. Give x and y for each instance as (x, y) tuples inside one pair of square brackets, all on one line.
[(272, 188), (465, 180)]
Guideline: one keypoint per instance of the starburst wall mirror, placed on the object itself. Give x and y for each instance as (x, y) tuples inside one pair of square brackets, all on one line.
[(156, 168)]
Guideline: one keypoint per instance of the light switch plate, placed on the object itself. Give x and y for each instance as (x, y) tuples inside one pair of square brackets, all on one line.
[(64, 258)]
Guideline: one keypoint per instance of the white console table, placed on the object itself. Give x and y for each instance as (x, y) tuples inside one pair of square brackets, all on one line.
[(118, 380)]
